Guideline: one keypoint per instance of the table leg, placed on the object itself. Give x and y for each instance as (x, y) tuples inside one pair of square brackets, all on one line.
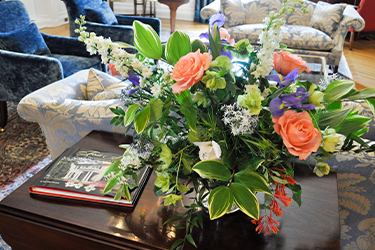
[(173, 7)]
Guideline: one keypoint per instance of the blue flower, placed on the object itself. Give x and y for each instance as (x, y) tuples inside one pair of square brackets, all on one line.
[(284, 81), (218, 19)]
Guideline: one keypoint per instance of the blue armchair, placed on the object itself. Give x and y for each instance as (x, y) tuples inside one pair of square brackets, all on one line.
[(101, 20), (30, 60)]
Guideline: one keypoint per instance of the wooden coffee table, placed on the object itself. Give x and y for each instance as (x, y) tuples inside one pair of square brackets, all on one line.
[(35, 222)]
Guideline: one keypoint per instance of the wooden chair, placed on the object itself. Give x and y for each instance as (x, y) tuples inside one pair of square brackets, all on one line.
[(143, 3)]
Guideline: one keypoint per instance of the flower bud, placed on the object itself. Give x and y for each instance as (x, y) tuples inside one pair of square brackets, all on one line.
[(321, 169), (252, 100), (330, 139), (315, 97)]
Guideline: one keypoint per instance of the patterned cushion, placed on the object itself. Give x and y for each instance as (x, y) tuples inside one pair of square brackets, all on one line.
[(297, 17), (326, 17), (102, 86), (25, 40), (256, 11), (101, 14), (294, 36), (233, 11), (98, 81)]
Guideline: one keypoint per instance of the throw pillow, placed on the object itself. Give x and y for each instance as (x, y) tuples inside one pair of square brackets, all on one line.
[(326, 17), (99, 82), (26, 40), (233, 11), (101, 14)]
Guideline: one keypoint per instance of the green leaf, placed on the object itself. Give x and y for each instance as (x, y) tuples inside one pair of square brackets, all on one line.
[(198, 44), (184, 98), (220, 201), (176, 243), (337, 89), (365, 93), (127, 193), (119, 192), (173, 219), (245, 200), (177, 46), (279, 180), (190, 114), (212, 169), (253, 180), (147, 41), (371, 104), (156, 111), (215, 44), (353, 124), (165, 156), (190, 239), (182, 188), (332, 118), (142, 119), (130, 114), (113, 167), (297, 191)]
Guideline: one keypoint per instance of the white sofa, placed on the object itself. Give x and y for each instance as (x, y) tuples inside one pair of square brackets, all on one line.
[(301, 32), (65, 114)]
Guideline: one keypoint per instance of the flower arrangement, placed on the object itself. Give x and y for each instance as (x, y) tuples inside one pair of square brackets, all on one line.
[(212, 120)]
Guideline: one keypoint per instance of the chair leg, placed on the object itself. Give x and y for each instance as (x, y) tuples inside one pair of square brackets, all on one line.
[(3, 115), (335, 68), (351, 40)]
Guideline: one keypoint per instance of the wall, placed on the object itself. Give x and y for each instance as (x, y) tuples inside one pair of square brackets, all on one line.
[(52, 13)]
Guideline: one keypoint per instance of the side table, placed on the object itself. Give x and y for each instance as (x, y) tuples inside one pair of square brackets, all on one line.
[(44, 223)]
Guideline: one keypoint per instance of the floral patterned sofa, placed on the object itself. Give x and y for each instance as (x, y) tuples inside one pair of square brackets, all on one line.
[(66, 112), (320, 32)]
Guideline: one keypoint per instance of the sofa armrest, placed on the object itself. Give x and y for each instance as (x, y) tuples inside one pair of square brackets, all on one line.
[(65, 45), (350, 19), (64, 115), (155, 23), (211, 9), (25, 73)]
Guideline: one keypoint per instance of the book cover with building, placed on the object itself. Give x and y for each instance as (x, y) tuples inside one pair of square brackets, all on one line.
[(79, 174)]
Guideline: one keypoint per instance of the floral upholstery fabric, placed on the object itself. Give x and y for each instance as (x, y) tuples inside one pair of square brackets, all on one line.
[(64, 114), (233, 11), (317, 43), (294, 36), (326, 17)]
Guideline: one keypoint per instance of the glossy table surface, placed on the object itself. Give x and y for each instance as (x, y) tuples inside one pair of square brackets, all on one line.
[(34, 222)]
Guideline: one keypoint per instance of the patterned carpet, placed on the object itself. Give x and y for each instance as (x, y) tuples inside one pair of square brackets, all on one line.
[(22, 146)]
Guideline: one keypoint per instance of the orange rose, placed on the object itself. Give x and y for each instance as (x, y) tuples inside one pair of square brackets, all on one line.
[(189, 70), (113, 70), (284, 62), (298, 133)]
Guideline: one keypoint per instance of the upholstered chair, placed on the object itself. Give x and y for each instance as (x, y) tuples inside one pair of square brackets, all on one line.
[(101, 20), (70, 108), (30, 60)]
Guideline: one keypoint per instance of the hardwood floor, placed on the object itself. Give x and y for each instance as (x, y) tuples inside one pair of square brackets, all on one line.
[(361, 59)]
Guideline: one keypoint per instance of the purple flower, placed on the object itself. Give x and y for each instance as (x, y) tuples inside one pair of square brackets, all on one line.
[(276, 107), (292, 100), (284, 81), (219, 19), (133, 77), (132, 91)]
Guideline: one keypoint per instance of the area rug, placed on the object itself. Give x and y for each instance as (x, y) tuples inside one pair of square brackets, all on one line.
[(22, 145)]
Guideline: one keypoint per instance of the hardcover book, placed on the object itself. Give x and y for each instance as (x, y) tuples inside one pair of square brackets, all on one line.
[(79, 174)]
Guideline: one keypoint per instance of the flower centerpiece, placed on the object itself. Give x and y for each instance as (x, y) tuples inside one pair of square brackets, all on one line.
[(212, 120)]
